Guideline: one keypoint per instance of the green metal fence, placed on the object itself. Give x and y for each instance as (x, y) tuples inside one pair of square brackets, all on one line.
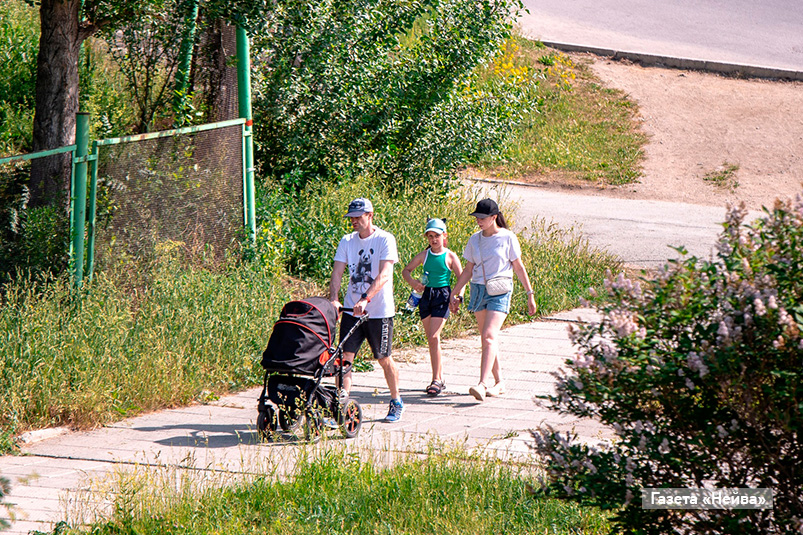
[(175, 185), (185, 186)]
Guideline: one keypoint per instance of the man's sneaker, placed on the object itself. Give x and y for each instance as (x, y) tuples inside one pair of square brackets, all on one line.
[(395, 411), (478, 392), (330, 423), (496, 390)]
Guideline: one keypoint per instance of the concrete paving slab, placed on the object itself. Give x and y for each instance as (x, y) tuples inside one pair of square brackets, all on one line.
[(219, 439)]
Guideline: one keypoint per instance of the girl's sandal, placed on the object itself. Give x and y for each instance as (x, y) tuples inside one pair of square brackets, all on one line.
[(435, 388)]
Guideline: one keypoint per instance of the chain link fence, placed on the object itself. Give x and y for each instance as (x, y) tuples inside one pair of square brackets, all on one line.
[(30, 240), (183, 188)]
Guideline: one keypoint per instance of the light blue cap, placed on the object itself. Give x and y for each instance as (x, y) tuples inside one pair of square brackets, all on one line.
[(436, 225)]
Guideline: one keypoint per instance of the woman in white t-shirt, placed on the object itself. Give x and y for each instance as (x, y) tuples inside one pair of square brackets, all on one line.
[(492, 254)]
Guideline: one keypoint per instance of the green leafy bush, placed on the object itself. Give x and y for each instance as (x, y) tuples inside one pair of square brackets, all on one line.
[(698, 371), (383, 88), (32, 241), (19, 45), (302, 229)]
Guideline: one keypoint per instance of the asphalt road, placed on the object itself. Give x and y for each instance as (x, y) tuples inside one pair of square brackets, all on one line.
[(767, 33), (642, 233)]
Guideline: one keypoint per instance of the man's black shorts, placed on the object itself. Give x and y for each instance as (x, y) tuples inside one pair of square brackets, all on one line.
[(435, 302), (378, 332)]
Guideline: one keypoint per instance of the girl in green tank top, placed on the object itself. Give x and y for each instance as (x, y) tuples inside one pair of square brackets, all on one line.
[(438, 265)]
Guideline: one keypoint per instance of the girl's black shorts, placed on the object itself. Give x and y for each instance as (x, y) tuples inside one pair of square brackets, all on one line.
[(435, 302)]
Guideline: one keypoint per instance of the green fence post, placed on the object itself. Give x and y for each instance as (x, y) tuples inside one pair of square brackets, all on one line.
[(78, 211), (244, 97), (91, 212)]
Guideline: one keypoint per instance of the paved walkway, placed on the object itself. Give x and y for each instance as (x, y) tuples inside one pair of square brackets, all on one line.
[(220, 439)]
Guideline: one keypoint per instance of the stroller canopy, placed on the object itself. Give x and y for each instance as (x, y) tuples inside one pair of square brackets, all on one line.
[(304, 331)]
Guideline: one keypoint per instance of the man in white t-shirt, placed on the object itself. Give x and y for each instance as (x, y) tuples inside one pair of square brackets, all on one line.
[(369, 254)]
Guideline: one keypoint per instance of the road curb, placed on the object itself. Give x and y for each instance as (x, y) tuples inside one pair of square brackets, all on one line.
[(731, 69)]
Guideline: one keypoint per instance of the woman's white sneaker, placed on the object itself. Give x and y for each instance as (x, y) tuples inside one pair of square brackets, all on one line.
[(496, 390), (478, 392)]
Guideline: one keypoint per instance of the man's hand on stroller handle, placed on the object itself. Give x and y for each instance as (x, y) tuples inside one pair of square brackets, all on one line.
[(356, 311), (347, 309), (359, 308)]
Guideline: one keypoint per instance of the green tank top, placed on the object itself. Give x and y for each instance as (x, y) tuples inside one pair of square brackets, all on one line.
[(439, 274)]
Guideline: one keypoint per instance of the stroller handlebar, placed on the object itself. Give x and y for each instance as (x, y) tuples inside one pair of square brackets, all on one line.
[(360, 320), (346, 309)]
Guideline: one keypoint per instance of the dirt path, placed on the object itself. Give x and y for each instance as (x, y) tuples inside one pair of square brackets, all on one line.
[(699, 122)]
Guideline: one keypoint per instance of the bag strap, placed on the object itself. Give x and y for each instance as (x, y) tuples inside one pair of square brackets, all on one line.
[(482, 262)]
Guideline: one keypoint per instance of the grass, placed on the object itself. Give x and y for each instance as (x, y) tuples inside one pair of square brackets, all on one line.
[(112, 354), (579, 130), (724, 176), (337, 492)]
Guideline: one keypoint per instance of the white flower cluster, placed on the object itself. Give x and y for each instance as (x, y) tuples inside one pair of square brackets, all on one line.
[(696, 364), (734, 231), (625, 323), (623, 286)]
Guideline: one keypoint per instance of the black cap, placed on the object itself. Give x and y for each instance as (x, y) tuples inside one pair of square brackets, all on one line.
[(485, 208)]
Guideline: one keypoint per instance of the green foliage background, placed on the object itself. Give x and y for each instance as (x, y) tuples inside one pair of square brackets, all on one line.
[(384, 88), (19, 44)]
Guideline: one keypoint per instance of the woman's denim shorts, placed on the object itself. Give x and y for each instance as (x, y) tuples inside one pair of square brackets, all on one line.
[(480, 300)]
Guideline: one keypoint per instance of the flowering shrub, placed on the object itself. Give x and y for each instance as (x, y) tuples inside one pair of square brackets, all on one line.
[(699, 371), (4, 489)]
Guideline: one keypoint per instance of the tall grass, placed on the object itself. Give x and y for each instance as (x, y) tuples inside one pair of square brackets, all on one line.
[(580, 129), (89, 359), (339, 493)]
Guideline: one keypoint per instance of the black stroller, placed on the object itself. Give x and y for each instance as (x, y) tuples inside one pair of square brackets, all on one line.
[(299, 355)]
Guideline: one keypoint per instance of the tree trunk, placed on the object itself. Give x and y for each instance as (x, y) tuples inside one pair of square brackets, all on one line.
[(56, 99)]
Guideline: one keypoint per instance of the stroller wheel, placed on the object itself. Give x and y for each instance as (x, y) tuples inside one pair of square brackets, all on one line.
[(351, 419), (313, 425), (266, 422), (289, 420)]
